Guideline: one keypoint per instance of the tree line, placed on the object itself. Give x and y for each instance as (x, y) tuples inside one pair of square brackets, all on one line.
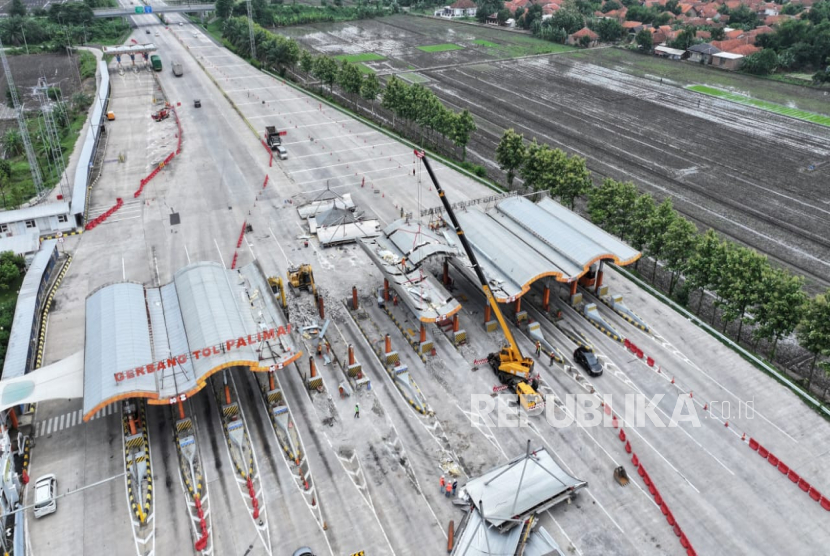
[(278, 14), (543, 168), (419, 110), (60, 26), (747, 289)]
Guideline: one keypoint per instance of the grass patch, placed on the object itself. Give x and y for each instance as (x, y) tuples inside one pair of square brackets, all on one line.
[(488, 44), (763, 105), (440, 47), (362, 57), (363, 68)]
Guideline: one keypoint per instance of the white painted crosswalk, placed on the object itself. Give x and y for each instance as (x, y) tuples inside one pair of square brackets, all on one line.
[(69, 420)]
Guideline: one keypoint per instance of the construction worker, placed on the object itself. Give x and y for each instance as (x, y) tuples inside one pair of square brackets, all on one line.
[(449, 489), (538, 348), (454, 487), (442, 483), (551, 358), (356, 411)]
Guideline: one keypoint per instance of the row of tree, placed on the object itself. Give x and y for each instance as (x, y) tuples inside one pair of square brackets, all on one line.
[(60, 26), (543, 168), (418, 107), (278, 14), (746, 287)]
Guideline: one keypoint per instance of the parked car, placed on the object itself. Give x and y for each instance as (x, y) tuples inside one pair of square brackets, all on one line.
[(304, 551), (147, 31), (588, 361), (46, 489), (282, 153)]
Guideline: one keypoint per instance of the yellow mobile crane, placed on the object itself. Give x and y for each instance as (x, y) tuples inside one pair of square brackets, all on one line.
[(512, 368)]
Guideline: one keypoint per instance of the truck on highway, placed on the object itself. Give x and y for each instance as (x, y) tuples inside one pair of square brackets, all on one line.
[(177, 69), (273, 137), (156, 62)]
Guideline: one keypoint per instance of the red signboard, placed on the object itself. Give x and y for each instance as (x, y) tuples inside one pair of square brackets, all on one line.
[(205, 353)]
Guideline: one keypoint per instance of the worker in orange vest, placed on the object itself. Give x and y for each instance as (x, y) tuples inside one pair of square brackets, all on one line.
[(449, 489), (442, 483)]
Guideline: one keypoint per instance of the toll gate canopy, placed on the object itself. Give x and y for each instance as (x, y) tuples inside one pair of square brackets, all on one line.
[(518, 242), (163, 343)]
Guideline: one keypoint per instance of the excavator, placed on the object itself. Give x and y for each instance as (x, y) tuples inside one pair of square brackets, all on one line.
[(511, 367), (302, 278)]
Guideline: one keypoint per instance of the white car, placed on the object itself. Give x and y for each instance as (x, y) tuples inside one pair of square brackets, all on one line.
[(46, 488), (181, 24)]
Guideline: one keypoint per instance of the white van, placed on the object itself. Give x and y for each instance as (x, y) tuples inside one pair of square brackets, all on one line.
[(282, 153), (46, 488)]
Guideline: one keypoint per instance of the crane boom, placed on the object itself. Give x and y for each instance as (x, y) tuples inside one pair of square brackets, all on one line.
[(485, 285), (509, 364)]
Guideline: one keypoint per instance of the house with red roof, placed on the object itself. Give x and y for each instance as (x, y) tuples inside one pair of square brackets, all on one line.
[(576, 39)]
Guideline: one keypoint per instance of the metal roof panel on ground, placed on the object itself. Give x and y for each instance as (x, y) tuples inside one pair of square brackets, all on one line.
[(117, 338), (521, 487), (428, 300), (20, 336), (479, 539), (346, 233), (325, 201)]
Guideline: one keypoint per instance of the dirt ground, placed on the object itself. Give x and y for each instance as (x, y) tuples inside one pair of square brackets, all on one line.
[(754, 176)]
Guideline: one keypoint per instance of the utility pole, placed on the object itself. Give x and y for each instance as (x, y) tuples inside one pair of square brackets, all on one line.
[(251, 29), (37, 178)]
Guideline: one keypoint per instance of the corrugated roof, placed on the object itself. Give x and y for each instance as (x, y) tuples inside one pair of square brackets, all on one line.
[(79, 188), (201, 323), (20, 337), (521, 487), (22, 244), (37, 211), (117, 338), (210, 312)]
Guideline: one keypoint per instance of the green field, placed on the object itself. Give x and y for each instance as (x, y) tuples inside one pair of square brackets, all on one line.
[(362, 57), (763, 105), (488, 44), (440, 47), (363, 68)]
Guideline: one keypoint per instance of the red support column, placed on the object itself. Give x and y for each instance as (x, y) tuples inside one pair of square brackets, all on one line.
[(351, 354), (312, 367), (13, 416), (385, 289), (599, 280), (322, 309), (388, 344), (271, 380), (455, 322), (181, 409), (354, 298), (546, 299), (518, 304), (573, 287), (227, 395), (132, 425), (423, 333)]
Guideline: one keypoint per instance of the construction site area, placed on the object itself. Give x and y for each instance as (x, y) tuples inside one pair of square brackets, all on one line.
[(283, 328)]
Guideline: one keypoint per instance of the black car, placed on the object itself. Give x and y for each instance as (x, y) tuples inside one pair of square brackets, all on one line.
[(588, 361)]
